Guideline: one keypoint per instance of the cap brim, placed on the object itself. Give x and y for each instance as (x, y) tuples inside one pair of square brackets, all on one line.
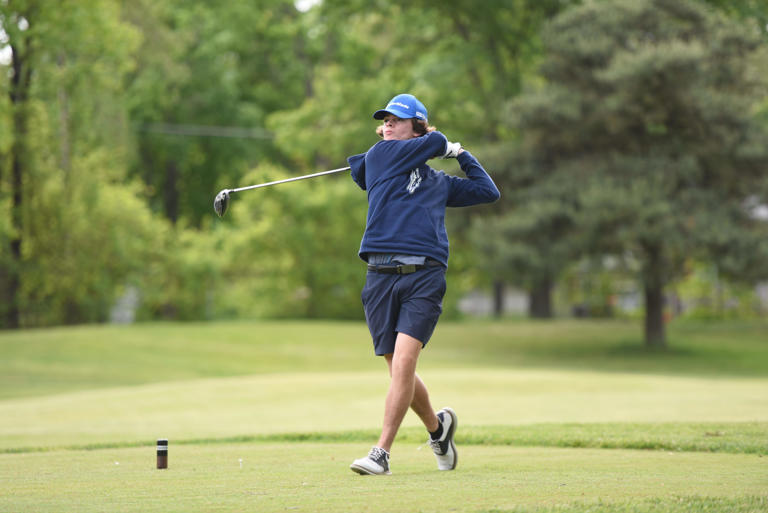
[(381, 114)]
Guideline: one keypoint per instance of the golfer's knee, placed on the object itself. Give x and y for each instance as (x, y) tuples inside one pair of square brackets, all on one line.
[(404, 364)]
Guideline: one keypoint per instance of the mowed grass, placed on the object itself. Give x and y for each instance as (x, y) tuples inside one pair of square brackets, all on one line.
[(314, 477), (561, 416), (40, 362), (348, 401)]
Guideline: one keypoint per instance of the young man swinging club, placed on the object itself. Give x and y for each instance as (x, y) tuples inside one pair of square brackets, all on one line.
[(406, 247)]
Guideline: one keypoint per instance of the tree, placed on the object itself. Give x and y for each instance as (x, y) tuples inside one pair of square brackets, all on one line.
[(531, 244), (291, 251), (16, 24), (464, 63), (209, 73), (753, 11), (648, 116), (75, 231)]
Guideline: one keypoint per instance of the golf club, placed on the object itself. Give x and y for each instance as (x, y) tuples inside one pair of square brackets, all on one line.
[(221, 202)]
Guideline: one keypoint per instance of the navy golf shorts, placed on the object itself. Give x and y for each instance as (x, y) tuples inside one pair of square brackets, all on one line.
[(403, 303)]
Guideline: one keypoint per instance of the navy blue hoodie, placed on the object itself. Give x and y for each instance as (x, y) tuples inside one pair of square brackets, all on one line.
[(407, 198)]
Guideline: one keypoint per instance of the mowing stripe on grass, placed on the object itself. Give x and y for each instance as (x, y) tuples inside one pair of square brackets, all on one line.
[(733, 438), (40, 362), (340, 402)]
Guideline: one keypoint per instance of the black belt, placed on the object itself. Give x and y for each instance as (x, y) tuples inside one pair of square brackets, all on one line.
[(402, 268)]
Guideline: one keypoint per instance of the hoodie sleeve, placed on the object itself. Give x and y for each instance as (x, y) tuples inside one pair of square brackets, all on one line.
[(477, 187), (387, 159), (357, 163)]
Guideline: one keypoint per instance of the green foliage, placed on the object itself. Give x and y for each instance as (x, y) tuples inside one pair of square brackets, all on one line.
[(124, 118), (750, 11), (707, 295), (593, 287), (88, 243), (647, 122), (340, 109), (179, 276), (71, 212), (292, 251), (533, 244), (215, 66)]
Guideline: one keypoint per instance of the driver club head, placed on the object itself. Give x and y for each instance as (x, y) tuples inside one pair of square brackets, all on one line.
[(221, 202)]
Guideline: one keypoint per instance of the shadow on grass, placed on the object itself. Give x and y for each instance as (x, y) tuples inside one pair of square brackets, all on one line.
[(693, 347)]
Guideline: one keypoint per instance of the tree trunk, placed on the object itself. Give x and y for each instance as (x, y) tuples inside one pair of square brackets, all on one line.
[(13, 313), (655, 332), (498, 298), (540, 300), (19, 94)]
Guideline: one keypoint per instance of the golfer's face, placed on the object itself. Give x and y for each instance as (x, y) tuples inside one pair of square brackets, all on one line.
[(397, 129)]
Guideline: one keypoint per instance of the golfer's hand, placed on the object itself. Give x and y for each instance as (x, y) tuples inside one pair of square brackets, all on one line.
[(452, 150)]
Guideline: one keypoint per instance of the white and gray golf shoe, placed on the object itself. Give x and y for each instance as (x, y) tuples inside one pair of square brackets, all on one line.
[(443, 447), (375, 464)]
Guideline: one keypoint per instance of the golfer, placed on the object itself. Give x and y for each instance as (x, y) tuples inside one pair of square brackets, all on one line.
[(406, 247)]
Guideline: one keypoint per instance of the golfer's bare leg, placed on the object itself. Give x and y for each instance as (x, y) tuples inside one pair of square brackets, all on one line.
[(421, 404), (405, 390)]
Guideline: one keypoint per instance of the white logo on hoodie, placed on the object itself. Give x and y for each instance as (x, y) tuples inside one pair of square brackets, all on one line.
[(414, 182)]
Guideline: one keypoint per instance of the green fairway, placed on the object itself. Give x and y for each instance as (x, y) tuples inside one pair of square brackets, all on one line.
[(553, 417), (40, 362), (315, 477), (290, 402)]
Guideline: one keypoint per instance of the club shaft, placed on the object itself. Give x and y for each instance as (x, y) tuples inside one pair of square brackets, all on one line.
[(291, 179)]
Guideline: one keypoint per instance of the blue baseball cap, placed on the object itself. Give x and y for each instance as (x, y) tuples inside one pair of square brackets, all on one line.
[(404, 106)]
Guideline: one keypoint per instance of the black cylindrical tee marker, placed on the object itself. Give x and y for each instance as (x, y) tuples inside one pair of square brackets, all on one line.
[(162, 453)]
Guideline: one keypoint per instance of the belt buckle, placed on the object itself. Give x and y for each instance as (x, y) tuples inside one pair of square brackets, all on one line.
[(406, 269)]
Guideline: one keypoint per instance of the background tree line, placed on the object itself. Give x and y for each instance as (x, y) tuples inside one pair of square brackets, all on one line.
[(629, 130)]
